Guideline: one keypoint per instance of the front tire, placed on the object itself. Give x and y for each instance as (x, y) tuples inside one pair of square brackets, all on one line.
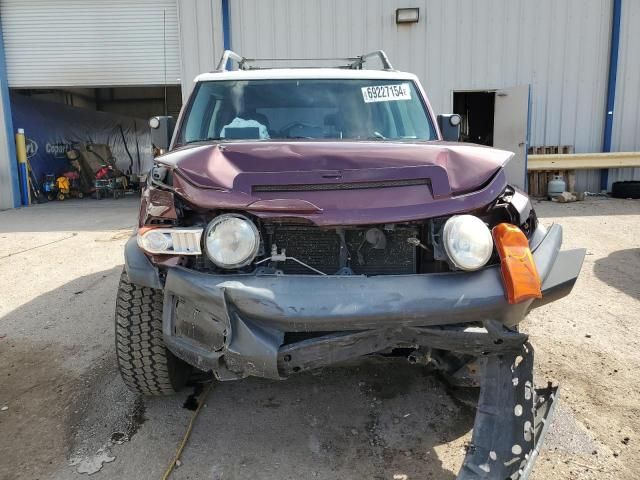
[(145, 364)]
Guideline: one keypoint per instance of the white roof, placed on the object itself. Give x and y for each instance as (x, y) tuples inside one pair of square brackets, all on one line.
[(305, 73)]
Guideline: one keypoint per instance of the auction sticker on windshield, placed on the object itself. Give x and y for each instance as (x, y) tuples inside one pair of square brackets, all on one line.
[(386, 93)]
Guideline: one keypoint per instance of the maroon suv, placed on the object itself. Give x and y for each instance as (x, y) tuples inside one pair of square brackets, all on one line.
[(303, 217)]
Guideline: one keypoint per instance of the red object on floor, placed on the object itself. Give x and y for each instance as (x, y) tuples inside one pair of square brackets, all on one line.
[(103, 172)]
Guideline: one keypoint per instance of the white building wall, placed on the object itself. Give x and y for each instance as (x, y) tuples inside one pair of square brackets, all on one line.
[(626, 117), (560, 48), (201, 43)]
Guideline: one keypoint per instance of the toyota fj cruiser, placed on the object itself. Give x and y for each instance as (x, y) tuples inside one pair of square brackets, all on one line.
[(301, 217)]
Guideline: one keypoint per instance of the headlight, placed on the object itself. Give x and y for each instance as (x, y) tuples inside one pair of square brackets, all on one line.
[(170, 241), (231, 241), (467, 241)]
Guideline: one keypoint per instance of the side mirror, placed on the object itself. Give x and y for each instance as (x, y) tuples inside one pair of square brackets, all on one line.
[(450, 126), (161, 132)]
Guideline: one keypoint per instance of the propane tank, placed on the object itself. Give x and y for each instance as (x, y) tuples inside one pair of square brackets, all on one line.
[(556, 186)]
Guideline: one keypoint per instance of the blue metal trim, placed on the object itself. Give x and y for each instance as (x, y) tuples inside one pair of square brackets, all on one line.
[(226, 25), (24, 183), (611, 87), (8, 125)]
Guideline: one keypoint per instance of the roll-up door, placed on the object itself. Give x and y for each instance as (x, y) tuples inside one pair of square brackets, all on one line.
[(91, 43)]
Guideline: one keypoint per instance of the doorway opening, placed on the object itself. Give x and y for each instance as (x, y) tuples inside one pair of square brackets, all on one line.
[(477, 110), (136, 102)]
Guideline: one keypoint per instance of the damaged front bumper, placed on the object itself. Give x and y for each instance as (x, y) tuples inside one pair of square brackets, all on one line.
[(275, 325)]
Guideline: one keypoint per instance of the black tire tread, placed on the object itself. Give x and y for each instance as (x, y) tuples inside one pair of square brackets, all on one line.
[(143, 359)]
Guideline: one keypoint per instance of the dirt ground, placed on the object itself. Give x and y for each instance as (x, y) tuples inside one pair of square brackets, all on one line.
[(67, 410)]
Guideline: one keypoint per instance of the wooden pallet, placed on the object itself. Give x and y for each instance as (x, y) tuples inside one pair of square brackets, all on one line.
[(539, 180), (563, 149)]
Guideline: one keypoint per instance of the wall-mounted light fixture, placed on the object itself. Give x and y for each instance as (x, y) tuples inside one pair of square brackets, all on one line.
[(407, 15)]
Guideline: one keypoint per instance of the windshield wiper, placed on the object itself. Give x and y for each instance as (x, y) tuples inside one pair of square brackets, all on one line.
[(199, 140)]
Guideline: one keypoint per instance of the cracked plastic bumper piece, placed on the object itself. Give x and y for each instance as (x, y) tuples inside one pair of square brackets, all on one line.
[(511, 421)]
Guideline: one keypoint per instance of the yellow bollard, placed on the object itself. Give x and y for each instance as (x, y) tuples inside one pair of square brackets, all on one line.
[(21, 146)]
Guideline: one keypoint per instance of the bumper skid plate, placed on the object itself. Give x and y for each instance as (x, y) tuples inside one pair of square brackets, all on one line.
[(511, 421)]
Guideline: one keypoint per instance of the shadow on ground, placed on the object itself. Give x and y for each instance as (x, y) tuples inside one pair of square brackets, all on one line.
[(374, 419), (621, 270), (51, 355)]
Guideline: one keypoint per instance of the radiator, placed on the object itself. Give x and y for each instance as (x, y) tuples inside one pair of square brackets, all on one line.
[(320, 248)]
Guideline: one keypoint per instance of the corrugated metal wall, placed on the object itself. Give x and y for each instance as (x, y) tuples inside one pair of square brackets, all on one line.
[(52, 43), (200, 39), (560, 48), (626, 117)]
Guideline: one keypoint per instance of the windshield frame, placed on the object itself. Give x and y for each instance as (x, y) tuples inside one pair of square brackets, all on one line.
[(186, 111)]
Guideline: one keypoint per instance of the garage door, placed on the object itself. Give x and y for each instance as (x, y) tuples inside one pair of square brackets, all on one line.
[(92, 43)]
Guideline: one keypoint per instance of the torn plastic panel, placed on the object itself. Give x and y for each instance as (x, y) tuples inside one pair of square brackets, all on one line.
[(157, 206), (327, 350), (512, 206), (511, 421)]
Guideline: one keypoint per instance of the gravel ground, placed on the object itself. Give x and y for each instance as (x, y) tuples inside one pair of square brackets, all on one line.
[(68, 411)]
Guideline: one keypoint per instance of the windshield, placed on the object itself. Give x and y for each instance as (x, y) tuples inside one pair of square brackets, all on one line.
[(353, 109)]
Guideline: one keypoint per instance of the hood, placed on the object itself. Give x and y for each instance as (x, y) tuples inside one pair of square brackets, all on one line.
[(216, 166), (339, 182)]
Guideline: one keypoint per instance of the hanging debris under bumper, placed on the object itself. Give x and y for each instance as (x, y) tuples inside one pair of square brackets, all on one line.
[(511, 421)]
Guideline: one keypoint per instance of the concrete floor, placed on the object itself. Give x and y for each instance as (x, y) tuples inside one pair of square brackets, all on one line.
[(68, 411)]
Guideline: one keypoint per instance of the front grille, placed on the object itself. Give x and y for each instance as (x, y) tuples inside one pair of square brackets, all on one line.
[(315, 187), (320, 249)]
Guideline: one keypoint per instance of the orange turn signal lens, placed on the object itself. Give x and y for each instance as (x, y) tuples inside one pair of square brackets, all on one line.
[(519, 273)]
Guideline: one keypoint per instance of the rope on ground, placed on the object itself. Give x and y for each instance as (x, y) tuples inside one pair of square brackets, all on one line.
[(38, 246), (187, 434)]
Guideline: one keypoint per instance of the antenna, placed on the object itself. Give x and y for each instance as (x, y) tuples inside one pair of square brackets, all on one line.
[(164, 54)]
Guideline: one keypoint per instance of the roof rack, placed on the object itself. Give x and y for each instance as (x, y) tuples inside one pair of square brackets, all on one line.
[(354, 63)]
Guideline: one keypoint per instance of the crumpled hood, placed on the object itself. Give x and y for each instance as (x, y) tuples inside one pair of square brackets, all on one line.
[(339, 182), (216, 166)]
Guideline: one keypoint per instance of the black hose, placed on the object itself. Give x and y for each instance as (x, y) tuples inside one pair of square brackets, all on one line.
[(126, 148), (135, 130)]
